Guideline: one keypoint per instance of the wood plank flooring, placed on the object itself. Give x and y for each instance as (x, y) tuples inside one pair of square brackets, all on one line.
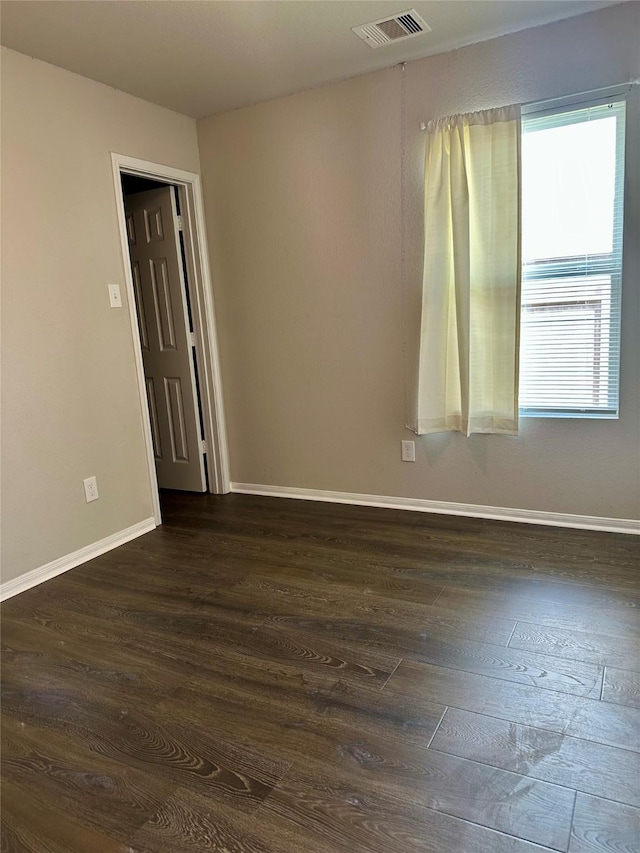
[(261, 675)]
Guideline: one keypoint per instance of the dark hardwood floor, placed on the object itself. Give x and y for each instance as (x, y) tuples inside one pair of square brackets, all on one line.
[(261, 675)]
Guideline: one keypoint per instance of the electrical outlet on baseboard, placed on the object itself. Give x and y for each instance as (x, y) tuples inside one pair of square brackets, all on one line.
[(91, 489), (408, 451)]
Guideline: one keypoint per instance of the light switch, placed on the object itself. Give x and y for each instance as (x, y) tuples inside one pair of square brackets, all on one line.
[(115, 300)]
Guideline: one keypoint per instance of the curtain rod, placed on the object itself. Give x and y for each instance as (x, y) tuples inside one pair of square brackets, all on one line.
[(629, 84)]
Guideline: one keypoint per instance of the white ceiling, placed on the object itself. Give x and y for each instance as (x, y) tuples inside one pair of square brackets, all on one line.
[(201, 57)]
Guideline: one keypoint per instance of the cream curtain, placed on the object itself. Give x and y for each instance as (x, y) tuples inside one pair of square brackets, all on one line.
[(468, 366)]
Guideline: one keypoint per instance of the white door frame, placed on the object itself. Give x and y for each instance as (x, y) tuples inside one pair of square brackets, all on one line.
[(203, 315)]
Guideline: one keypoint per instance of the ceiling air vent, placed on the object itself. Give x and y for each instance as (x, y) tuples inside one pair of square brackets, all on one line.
[(407, 25)]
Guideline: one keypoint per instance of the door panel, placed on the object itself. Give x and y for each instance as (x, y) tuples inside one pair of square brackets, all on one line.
[(167, 353), (153, 417), (173, 391), (142, 317), (162, 303)]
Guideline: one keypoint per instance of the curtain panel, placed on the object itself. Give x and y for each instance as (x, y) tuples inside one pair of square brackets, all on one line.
[(469, 338)]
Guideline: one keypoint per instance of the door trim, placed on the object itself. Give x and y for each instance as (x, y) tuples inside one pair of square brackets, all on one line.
[(203, 314)]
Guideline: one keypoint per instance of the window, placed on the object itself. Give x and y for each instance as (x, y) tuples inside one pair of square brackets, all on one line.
[(572, 216)]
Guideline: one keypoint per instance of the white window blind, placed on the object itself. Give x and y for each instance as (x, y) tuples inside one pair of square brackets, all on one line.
[(572, 222)]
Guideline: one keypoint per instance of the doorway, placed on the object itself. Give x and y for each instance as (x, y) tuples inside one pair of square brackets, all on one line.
[(173, 326)]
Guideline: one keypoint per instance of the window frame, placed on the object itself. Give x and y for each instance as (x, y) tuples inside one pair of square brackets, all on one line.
[(607, 264)]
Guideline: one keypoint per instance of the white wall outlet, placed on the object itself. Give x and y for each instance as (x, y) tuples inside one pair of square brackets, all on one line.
[(91, 489), (115, 299), (408, 451)]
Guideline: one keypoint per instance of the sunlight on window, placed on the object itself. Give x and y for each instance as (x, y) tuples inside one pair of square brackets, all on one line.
[(568, 190), (572, 195)]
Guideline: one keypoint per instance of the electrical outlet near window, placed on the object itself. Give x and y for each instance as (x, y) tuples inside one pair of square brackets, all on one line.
[(408, 451), (91, 489)]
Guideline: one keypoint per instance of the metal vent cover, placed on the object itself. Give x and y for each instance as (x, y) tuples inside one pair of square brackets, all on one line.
[(406, 25)]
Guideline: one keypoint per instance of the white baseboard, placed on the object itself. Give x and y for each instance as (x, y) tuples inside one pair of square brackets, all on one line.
[(526, 516), (70, 561)]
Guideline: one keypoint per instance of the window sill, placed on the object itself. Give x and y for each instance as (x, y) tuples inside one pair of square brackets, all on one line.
[(580, 415)]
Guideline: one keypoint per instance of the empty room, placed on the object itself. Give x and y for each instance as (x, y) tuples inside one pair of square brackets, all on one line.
[(320, 426)]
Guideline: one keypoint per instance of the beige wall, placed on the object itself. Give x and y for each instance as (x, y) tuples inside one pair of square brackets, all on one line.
[(71, 407), (303, 207), (303, 202)]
